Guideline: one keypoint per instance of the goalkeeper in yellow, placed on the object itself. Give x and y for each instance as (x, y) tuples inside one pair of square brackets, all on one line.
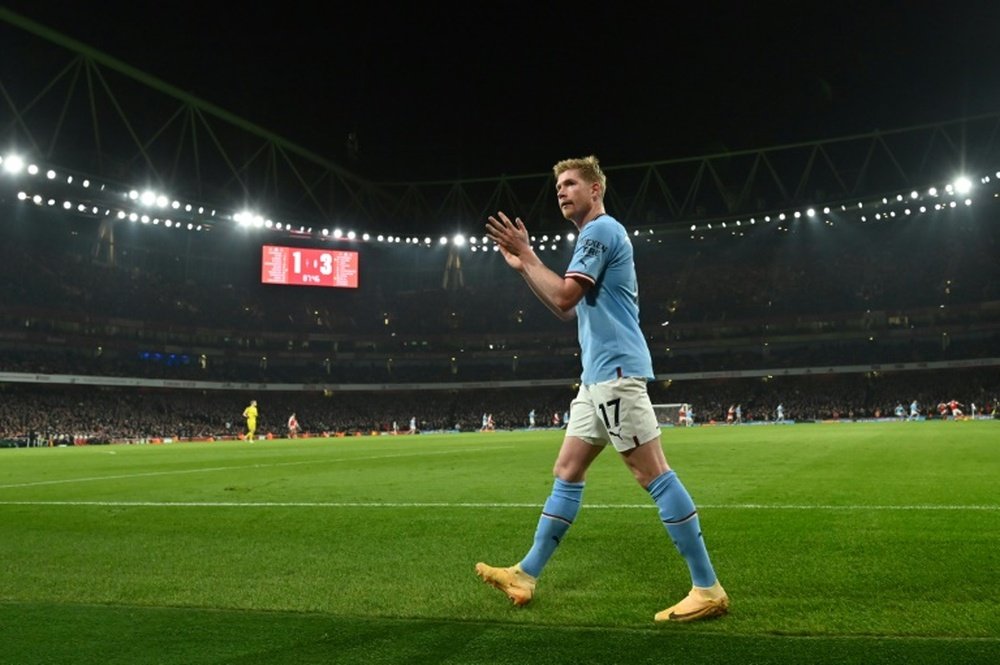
[(250, 413)]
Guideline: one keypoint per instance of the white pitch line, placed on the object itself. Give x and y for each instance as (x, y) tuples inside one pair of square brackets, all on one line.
[(210, 469), (442, 504)]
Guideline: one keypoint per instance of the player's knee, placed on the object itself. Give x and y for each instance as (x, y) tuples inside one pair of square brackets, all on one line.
[(571, 473)]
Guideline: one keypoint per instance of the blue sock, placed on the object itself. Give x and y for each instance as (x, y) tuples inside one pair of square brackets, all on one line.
[(558, 514), (681, 520)]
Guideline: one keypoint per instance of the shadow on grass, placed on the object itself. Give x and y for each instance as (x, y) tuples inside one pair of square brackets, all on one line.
[(108, 635)]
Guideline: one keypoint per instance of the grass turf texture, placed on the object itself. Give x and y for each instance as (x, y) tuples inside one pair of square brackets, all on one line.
[(837, 543)]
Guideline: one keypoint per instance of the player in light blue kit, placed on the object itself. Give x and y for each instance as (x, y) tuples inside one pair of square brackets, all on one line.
[(600, 290)]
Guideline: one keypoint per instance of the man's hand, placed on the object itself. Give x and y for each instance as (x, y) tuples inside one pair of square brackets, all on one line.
[(511, 237)]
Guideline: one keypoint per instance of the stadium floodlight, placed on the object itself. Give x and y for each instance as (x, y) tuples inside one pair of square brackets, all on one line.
[(147, 198), (380, 238), (350, 235), (968, 202), (365, 237), (337, 233), (798, 215), (32, 169), (67, 205), (443, 241), (458, 240), (692, 227), (21, 196), (427, 240), (50, 174), (570, 236), (162, 201), (962, 185), (13, 164), (37, 198), (932, 191)]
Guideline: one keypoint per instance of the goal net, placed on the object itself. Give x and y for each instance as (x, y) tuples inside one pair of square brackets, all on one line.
[(667, 414)]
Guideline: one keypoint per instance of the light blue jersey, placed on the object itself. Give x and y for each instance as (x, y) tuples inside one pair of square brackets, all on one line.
[(611, 342)]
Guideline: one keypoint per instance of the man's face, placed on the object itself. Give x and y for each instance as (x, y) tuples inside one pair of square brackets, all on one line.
[(576, 196)]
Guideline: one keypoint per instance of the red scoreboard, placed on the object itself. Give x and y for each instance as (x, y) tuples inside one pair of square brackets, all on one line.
[(300, 266)]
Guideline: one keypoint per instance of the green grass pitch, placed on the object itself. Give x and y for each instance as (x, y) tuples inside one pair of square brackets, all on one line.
[(867, 543)]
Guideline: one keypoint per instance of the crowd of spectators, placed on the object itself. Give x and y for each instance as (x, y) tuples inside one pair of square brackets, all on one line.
[(45, 414), (164, 282), (168, 305)]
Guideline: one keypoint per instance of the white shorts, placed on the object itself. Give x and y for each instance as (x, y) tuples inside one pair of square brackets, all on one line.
[(617, 412)]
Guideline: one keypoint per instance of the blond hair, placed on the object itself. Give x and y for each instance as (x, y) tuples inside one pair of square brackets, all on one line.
[(589, 168)]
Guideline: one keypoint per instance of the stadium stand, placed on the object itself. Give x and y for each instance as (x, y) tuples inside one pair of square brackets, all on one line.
[(723, 314)]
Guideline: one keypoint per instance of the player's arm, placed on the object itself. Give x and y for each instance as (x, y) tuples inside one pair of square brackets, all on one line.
[(559, 294)]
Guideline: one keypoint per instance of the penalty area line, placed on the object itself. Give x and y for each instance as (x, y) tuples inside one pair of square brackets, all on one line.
[(479, 505)]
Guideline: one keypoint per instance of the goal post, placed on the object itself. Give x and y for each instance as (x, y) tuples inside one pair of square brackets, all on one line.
[(666, 414)]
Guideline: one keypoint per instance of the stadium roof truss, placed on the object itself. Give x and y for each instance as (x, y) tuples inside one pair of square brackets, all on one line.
[(83, 111)]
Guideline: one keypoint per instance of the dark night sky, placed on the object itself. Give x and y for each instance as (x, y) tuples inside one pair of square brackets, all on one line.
[(437, 90)]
